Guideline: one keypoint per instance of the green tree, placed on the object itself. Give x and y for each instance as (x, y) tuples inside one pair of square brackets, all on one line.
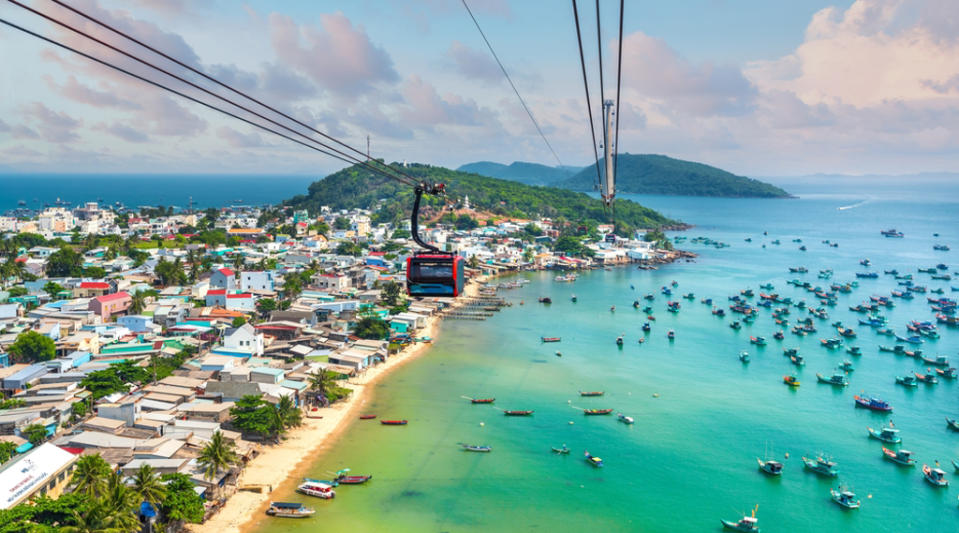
[(32, 347), (147, 486), (65, 262), (95, 272), (251, 414), (391, 293), (170, 273), (52, 288), (137, 302), (292, 286), (35, 433), (122, 504), (568, 244), (341, 223), (219, 455), (12, 403), (7, 451), (102, 383), (372, 328), (265, 306), (181, 504), (90, 476), (290, 415), (239, 321)]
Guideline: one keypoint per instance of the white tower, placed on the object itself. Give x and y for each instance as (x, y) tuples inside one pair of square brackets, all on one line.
[(608, 184)]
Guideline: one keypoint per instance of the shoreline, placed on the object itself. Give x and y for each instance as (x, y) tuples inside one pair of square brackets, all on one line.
[(278, 466)]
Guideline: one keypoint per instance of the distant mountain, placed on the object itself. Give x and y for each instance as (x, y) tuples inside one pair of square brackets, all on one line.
[(520, 171), (659, 174)]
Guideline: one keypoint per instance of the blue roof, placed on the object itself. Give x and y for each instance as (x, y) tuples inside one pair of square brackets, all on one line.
[(268, 370), (295, 385)]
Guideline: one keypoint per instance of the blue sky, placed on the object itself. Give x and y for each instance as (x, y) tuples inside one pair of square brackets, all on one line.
[(759, 88)]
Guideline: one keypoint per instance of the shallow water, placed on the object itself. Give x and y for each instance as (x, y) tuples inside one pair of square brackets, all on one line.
[(690, 458)]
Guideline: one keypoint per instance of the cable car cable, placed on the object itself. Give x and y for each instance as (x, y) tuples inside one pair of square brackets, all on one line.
[(619, 78), (589, 107)]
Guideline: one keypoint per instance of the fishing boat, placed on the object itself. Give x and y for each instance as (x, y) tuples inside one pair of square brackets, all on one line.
[(476, 448), (854, 350), (517, 413), (735, 325), (646, 327), (874, 404), (779, 335), (845, 366), (837, 379), (758, 341), (907, 381), (625, 419), (792, 381), (482, 400), (867, 275), (594, 412), (562, 451), (550, 339), (789, 352), (903, 457), (317, 489), (593, 460), (573, 298), (894, 349), (289, 510), (393, 422), (831, 343), (592, 393), (912, 339), (953, 423), (822, 466), (885, 434), (948, 373), (744, 357), (892, 233), (545, 300), (844, 498), (689, 296), (886, 332), (747, 524), (367, 417), (935, 476), (773, 468), (345, 479), (619, 340), (928, 378), (797, 360), (939, 360), (670, 334)]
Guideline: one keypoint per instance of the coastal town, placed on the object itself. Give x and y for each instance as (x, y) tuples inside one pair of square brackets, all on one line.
[(178, 347)]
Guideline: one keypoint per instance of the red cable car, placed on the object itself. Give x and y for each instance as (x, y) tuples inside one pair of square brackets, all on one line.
[(433, 273)]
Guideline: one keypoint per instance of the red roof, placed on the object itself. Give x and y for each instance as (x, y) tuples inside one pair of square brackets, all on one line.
[(215, 292), (377, 253), (110, 297), (226, 272), (242, 295), (94, 285)]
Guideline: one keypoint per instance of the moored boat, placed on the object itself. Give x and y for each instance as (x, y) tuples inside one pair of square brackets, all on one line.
[(844, 498), (482, 400), (593, 460), (758, 341), (953, 423), (594, 412), (822, 466), (939, 360), (748, 524), (773, 468), (592, 393), (476, 448), (837, 379), (903, 457), (885, 434), (316, 489), (797, 360), (367, 417), (625, 419), (854, 350), (948, 373), (289, 510), (562, 451), (517, 413), (907, 381), (744, 357), (872, 403), (792, 381), (550, 339), (935, 475), (928, 378), (393, 422), (344, 479)]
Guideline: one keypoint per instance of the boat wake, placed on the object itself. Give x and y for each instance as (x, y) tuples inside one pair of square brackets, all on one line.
[(852, 206)]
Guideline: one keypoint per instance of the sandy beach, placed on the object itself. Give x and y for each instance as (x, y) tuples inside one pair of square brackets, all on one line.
[(277, 466)]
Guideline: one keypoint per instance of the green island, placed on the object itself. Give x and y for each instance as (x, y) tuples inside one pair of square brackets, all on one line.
[(521, 171)]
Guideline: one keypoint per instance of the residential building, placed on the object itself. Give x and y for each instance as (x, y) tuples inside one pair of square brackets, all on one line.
[(43, 471), (110, 304), (260, 281), (223, 278)]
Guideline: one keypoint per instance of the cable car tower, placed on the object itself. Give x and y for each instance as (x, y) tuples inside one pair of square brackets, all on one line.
[(607, 187)]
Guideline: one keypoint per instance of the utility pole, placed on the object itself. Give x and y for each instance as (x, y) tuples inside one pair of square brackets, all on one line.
[(367, 148), (608, 185)]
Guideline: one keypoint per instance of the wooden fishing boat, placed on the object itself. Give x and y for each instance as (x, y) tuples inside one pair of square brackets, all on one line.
[(748, 524), (845, 366), (836, 380), (953, 423), (902, 457), (482, 400), (517, 413), (907, 381), (592, 393), (317, 489), (773, 468), (562, 451), (625, 419), (797, 360), (935, 476), (476, 448), (593, 460), (545, 300), (289, 510), (744, 357), (353, 480), (393, 422), (822, 466), (550, 339), (367, 417), (758, 341), (844, 498), (928, 378), (854, 350), (939, 360), (594, 412), (948, 373), (874, 404), (885, 434), (792, 381)]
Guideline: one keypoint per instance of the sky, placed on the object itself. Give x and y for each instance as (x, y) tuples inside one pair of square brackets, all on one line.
[(755, 87)]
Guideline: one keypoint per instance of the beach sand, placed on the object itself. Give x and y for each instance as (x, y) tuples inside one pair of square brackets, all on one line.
[(279, 465)]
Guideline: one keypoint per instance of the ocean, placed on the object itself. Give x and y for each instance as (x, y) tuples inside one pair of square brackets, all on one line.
[(702, 417), (133, 190)]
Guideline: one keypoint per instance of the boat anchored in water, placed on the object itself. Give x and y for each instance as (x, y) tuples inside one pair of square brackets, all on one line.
[(837, 380), (886, 434), (935, 475), (592, 459), (317, 489), (773, 468), (747, 524), (844, 498), (872, 403), (902, 457), (792, 381), (289, 510), (822, 466), (476, 448)]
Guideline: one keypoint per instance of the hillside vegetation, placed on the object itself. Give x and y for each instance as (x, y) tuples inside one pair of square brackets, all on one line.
[(521, 171)]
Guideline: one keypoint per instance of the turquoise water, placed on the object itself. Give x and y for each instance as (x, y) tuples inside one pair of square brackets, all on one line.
[(690, 458)]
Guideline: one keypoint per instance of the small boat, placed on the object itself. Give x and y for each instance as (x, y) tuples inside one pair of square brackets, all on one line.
[(562, 451), (845, 498), (789, 352), (892, 233), (476, 448), (792, 381), (646, 327), (886, 434), (345, 479), (867, 275), (573, 298), (393, 422), (593, 460), (935, 476), (735, 325), (625, 419), (907, 381), (837, 379), (550, 339), (773, 468), (594, 412), (619, 340), (953, 423), (744, 357), (317, 489), (822, 466), (928, 378), (903, 457), (670, 334), (545, 300), (747, 524), (289, 510), (948, 373), (482, 400), (592, 393), (758, 341), (367, 417), (517, 413), (797, 360), (939, 360), (779, 335), (874, 404), (854, 350)]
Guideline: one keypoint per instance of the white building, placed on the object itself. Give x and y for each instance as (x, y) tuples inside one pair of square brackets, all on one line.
[(244, 339)]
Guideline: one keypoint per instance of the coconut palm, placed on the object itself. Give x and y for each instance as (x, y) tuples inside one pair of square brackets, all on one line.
[(90, 475), (218, 455), (95, 518), (290, 415), (146, 484), (137, 302), (321, 383), (122, 504)]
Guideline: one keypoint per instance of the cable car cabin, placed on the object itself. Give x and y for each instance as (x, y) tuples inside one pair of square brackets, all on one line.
[(435, 275)]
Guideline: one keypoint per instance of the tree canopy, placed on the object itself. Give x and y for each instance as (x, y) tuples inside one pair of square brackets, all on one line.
[(32, 347)]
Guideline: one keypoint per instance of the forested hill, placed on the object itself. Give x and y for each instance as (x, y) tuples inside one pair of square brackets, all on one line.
[(659, 174), (521, 171), (357, 187)]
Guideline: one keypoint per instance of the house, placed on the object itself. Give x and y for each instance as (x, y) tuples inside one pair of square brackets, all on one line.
[(110, 304), (223, 278), (256, 281), (23, 376), (11, 311), (331, 282), (244, 339), (216, 298), (91, 289), (272, 376), (244, 302), (43, 471), (137, 323)]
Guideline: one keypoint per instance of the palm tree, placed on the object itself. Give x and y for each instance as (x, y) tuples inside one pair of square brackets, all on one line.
[(146, 484), (217, 455), (321, 382), (90, 475), (137, 302), (95, 518), (122, 504), (289, 413)]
